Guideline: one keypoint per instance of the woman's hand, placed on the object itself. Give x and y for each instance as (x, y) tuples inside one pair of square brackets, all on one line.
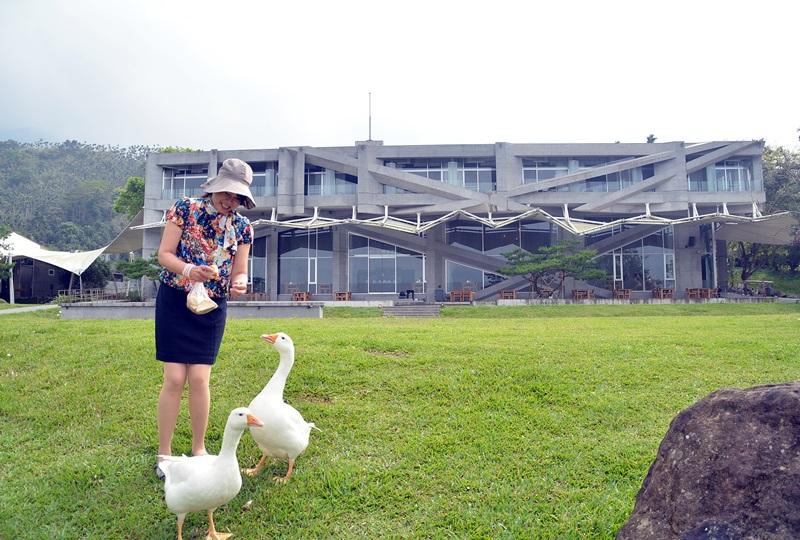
[(238, 286), (203, 273)]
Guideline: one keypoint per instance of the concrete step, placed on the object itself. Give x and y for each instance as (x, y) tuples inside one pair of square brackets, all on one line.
[(425, 310)]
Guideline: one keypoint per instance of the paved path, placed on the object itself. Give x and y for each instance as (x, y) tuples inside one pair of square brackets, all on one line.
[(25, 309)]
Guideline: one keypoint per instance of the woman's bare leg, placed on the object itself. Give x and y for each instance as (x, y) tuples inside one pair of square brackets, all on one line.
[(169, 404), (199, 404)]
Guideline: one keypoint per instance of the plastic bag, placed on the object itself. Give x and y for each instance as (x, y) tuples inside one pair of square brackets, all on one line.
[(198, 300)]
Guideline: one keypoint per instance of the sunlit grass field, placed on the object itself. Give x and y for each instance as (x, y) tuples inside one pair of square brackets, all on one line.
[(529, 422)]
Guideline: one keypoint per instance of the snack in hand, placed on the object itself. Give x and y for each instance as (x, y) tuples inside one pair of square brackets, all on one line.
[(216, 271)]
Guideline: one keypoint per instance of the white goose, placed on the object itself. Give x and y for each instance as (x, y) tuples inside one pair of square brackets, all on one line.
[(206, 482), (284, 434)]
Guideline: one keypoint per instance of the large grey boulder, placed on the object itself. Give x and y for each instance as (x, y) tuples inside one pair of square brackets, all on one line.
[(728, 468)]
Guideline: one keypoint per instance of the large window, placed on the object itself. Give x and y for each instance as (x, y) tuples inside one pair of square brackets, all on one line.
[(378, 267), (186, 181), (461, 276), (305, 262), (698, 180), (258, 265), (642, 265), (183, 182), (733, 175), (265, 178), (615, 181), (476, 174), (321, 181), (539, 169)]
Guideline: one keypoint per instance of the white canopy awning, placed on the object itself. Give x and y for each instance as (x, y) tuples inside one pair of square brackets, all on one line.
[(75, 262), (780, 229)]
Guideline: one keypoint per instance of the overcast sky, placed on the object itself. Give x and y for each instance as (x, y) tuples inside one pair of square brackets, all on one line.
[(259, 74)]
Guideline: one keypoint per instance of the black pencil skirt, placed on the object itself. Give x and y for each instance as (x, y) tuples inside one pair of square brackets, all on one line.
[(185, 337)]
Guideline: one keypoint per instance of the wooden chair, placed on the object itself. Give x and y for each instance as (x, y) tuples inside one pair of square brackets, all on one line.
[(622, 294), (342, 296)]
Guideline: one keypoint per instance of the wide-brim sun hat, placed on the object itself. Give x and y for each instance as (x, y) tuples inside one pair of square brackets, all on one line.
[(235, 176)]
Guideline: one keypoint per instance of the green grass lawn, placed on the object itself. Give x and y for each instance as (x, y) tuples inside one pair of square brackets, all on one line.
[(538, 421)]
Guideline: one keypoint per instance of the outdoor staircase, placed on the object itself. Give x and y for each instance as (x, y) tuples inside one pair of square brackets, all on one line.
[(412, 310)]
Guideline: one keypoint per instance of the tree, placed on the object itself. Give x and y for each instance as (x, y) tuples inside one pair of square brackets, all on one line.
[(97, 275), (130, 198), (556, 263), (651, 139), (139, 268), (175, 149)]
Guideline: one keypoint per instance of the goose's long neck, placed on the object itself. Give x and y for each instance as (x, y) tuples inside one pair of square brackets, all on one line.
[(277, 383), (230, 441)]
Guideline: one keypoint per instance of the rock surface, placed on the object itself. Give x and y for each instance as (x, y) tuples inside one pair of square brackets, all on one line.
[(728, 468)]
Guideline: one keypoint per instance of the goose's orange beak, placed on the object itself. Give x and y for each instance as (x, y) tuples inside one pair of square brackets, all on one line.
[(270, 338), (253, 420)]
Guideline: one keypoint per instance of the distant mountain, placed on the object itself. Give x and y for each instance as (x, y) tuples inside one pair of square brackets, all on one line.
[(61, 194)]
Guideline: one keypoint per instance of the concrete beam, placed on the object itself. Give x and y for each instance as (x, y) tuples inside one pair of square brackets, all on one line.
[(607, 200), (331, 160)]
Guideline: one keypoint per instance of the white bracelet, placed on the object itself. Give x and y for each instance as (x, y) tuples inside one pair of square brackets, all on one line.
[(187, 270)]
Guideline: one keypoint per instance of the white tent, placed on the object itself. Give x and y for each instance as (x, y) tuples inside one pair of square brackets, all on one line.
[(16, 245)]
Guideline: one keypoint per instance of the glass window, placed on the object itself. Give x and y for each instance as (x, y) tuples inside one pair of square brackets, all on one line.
[(644, 264), (465, 234), (698, 181), (409, 273), (471, 180), (258, 264), (293, 275), (596, 184), (535, 234), (653, 271), (293, 244), (358, 245), (378, 267), (381, 274), (633, 271), (305, 260), (358, 273), (538, 169), (502, 240), (486, 181), (460, 276), (733, 175), (380, 249)]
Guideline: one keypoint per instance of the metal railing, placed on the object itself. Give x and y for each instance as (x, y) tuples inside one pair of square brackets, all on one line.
[(68, 296)]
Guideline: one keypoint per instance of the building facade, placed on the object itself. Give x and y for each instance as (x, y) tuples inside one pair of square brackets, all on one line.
[(374, 220)]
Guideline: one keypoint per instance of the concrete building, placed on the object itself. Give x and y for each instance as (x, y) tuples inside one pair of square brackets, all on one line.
[(374, 220)]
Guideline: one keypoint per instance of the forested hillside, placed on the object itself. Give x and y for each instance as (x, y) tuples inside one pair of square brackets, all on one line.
[(61, 194)]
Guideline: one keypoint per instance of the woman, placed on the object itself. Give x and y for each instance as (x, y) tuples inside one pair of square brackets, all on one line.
[(199, 233)]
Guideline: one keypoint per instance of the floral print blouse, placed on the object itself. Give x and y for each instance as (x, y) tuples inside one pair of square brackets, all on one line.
[(207, 237)]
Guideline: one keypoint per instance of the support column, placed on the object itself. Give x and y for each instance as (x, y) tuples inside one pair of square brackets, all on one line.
[(11, 280), (339, 280), (434, 260), (368, 187), (508, 167), (272, 264)]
